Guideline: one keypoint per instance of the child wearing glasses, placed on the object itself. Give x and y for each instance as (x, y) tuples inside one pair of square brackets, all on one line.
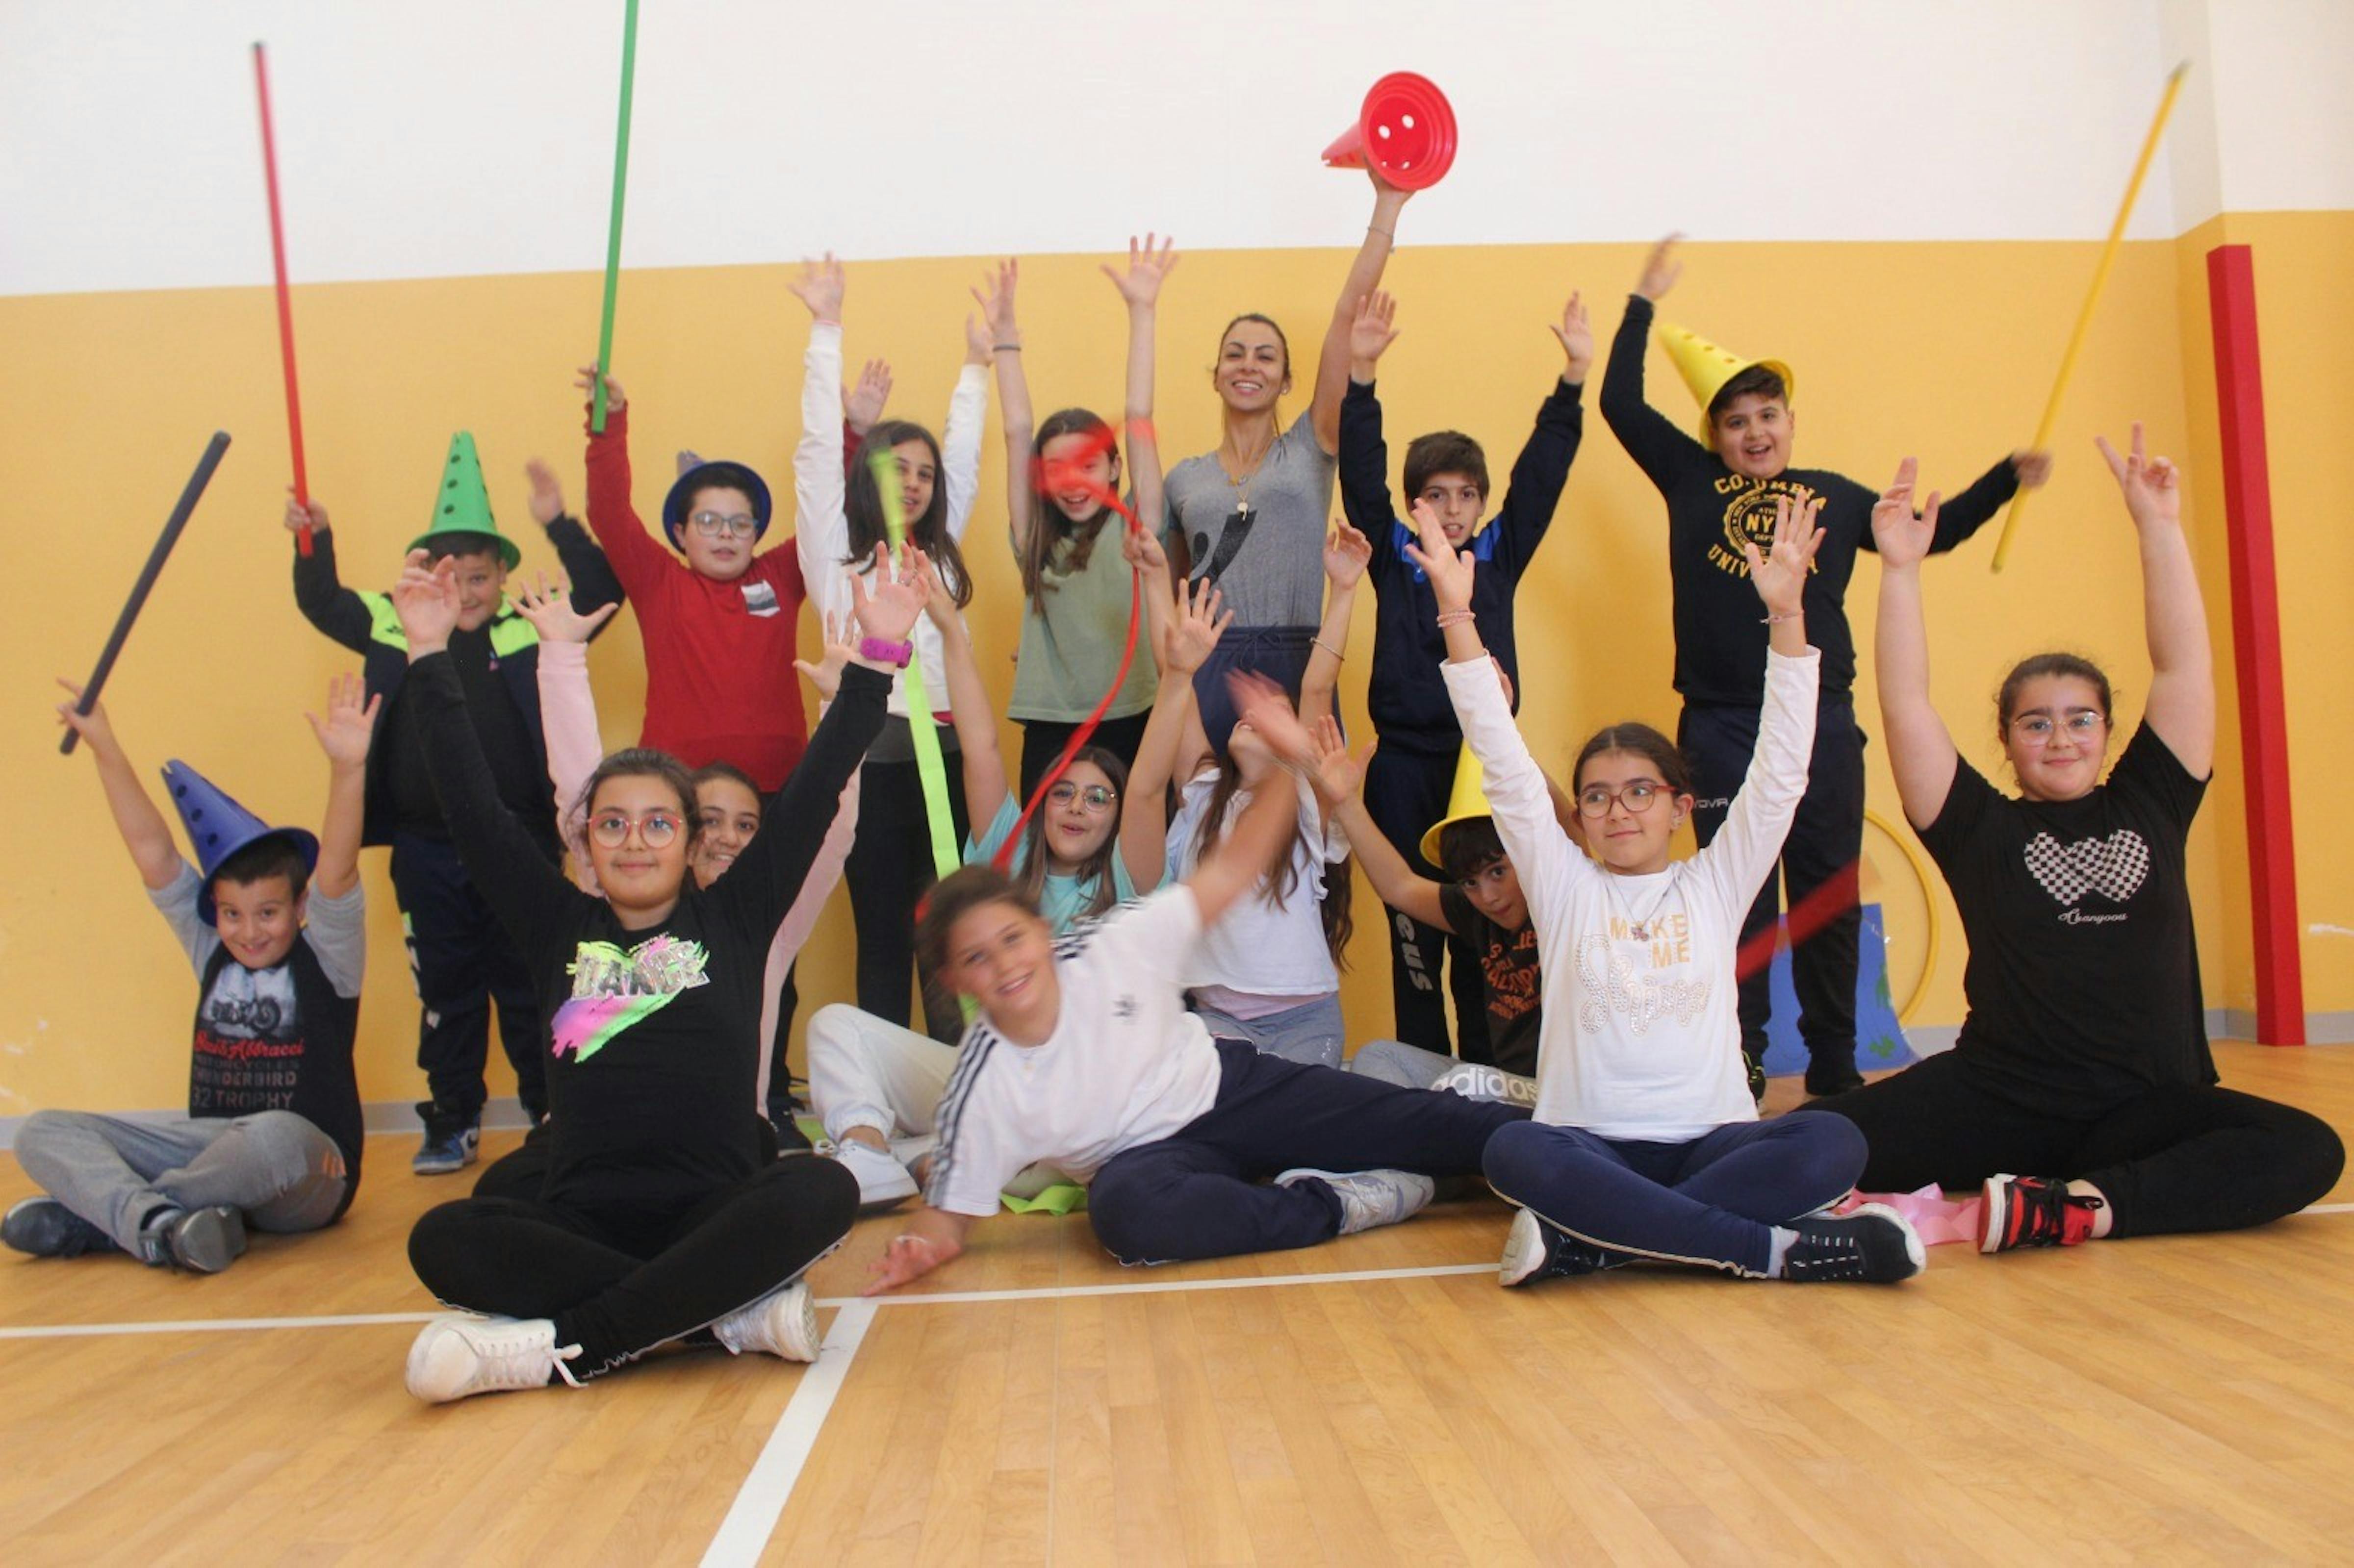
[(2081, 1093), (841, 519), (1646, 1143), (662, 1214), (460, 959), (1082, 853)]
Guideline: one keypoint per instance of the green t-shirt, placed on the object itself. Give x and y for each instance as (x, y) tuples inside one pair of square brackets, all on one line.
[(1070, 653)]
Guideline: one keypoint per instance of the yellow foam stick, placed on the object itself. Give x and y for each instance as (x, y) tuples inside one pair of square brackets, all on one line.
[(2092, 298)]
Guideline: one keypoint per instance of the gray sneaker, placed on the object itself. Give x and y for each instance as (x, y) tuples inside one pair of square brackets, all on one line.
[(43, 1227), (201, 1241), (1369, 1198)]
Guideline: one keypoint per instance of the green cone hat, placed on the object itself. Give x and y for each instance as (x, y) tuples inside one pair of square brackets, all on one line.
[(463, 505)]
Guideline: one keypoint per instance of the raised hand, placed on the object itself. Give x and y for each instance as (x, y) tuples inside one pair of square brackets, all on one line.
[(895, 596), (299, 516), (2033, 469), (1266, 708), (546, 494), (2152, 486), (1141, 550), (1337, 776), (1370, 333), (1147, 268), (549, 609), (939, 603), (825, 674), (93, 727), (1779, 576), (1576, 334), (585, 378), (345, 732), (1202, 618), (1901, 538), (862, 403), (995, 297), (1449, 571), (1347, 552), (426, 599), (820, 287), (1660, 269)]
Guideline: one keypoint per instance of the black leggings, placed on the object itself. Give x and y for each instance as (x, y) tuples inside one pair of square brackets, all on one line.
[(889, 868), (615, 1297), (2183, 1157)]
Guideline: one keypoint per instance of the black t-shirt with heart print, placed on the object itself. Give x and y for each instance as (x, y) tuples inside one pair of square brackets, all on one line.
[(2084, 971)]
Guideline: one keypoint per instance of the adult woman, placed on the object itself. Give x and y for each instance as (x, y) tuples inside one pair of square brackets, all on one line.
[(661, 1213), (2083, 1056)]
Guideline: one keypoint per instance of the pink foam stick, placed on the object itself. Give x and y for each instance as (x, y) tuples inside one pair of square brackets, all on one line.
[(285, 300)]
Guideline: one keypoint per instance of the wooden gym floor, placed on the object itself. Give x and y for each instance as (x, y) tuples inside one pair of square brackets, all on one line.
[(1377, 1400)]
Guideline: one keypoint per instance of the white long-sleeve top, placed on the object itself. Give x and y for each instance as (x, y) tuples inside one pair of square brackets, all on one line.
[(1641, 1037), (822, 530)]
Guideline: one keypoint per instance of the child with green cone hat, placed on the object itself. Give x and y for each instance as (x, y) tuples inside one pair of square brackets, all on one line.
[(271, 1139), (463, 960), (1720, 492)]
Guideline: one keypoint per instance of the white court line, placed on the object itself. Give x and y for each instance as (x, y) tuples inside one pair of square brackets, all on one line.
[(1246, 1282), (761, 1501), (210, 1325)]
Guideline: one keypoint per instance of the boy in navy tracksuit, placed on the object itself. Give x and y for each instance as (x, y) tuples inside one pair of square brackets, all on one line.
[(1408, 779), (460, 957), (1721, 490)]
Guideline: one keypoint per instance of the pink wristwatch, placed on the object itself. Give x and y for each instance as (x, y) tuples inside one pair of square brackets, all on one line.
[(881, 651)]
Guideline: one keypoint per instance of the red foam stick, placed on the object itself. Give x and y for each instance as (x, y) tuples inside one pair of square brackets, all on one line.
[(1806, 916), (1064, 474), (285, 300)]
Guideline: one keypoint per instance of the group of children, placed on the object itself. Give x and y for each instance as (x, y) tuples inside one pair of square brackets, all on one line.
[(1140, 971)]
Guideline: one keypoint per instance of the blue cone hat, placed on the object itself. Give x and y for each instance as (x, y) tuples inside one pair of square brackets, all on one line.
[(217, 827)]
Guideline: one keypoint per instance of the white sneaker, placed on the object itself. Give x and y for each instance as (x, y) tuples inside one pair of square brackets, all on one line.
[(457, 1354), (883, 1181), (781, 1323), (1369, 1198)]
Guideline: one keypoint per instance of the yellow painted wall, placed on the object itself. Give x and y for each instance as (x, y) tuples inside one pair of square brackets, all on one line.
[(1940, 350)]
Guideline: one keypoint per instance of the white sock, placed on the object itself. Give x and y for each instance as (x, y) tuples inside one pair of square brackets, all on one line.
[(1777, 1249)]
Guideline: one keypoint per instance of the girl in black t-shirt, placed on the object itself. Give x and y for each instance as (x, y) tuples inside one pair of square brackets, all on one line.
[(2083, 1056)]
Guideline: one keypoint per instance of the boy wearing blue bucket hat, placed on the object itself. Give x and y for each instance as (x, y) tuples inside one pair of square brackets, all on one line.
[(273, 1134)]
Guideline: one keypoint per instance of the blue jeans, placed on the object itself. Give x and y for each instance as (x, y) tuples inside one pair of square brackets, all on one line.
[(1311, 1033), (1714, 1200)]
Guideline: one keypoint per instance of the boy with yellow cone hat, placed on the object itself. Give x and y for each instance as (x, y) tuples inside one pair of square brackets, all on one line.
[(464, 961), (1720, 492)]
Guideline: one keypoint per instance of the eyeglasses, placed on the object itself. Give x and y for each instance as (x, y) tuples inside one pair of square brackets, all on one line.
[(711, 525), (1097, 797), (2038, 726), (610, 830), (1595, 799)]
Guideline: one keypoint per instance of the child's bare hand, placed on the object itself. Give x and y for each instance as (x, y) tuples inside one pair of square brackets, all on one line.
[(1576, 334), (345, 732), (862, 403), (93, 727), (995, 297), (585, 378), (1901, 538), (820, 287), (1449, 569), (1147, 268), (1346, 553), (1200, 619), (1660, 269), (825, 674), (2151, 487), (546, 494), (1338, 776), (548, 608), (1371, 330), (426, 599), (299, 516), (1780, 577)]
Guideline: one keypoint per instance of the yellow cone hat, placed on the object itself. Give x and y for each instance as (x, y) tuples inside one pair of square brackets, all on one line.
[(1464, 801), (1706, 368)]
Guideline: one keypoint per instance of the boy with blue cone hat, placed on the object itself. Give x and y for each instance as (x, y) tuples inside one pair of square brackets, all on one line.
[(272, 1135), (461, 958)]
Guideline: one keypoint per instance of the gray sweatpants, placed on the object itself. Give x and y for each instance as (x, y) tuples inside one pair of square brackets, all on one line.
[(282, 1172)]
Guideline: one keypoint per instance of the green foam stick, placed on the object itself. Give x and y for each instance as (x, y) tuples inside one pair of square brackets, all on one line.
[(613, 237), (929, 766)]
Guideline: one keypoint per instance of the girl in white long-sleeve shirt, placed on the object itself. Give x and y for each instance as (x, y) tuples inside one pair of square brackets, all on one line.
[(1646, 1143)]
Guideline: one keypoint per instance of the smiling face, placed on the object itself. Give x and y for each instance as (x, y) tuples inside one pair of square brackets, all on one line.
[(726, 556), (1754, 434), (1076, 473), (729, 815), (641, 877), (257, 920), (482, 588), (1628, 834), (919, 474), (1082, 812), (2056, 737), (1254, 367), (1002, 956)]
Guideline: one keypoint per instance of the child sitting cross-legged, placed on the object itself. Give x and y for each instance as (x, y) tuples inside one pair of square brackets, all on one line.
[(271, 1141)]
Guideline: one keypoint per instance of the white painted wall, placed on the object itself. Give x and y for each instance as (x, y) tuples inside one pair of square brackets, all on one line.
[(447, 137)]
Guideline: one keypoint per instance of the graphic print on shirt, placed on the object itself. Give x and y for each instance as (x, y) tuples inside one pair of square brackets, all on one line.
[(612, 989), (248, 1044), (2113, 867), (1611, 982), (761, 598), (1237, 528), (1508, 966), (1749, 518)]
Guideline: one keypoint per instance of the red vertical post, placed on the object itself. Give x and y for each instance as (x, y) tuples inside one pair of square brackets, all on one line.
[(2257, 647)]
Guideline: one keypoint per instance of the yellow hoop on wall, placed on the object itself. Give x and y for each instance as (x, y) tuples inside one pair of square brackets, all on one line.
[(1920, 870)]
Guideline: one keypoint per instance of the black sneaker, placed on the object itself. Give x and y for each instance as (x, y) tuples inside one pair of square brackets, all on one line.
[(1535, 1250), (1873, 1244), (43, 1227), (1826, 1078), (201, 1241), (791, 1138), (453, 1140)]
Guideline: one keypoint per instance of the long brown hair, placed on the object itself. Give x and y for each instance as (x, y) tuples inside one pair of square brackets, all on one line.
[(1095, 873), (1049, 528), (862, 508), (1334, 912)]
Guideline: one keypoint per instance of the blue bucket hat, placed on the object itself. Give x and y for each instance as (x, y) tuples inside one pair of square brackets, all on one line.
[(710, 475)]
